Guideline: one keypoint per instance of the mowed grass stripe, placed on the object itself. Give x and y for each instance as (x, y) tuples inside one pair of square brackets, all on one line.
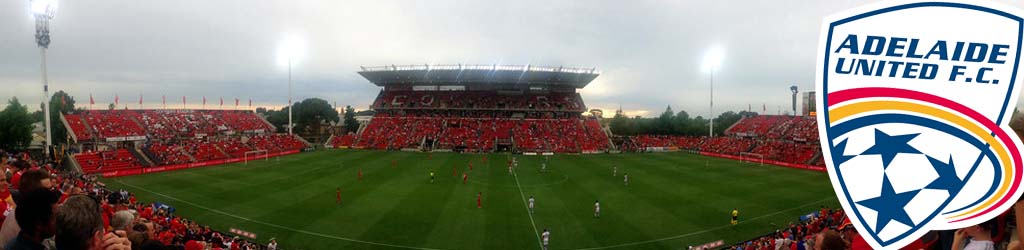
[(617, 204), (681, 198)]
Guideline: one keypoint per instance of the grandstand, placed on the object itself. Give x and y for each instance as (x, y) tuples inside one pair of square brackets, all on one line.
[(126, 142), (479, 108), (779, 140), (462, 108)]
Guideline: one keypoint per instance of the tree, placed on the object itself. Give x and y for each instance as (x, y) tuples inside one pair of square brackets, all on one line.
[(15, 126), (350, 123), (663, 125), (60, 103), (279, 119), (620, 124), (312, 113), (37, 116)]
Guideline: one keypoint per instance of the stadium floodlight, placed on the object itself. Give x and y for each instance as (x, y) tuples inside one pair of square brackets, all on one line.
[(712, 61), (289, 50), (43, 11)]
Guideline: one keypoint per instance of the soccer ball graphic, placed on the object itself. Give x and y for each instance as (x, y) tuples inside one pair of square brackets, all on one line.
[(901, 176)]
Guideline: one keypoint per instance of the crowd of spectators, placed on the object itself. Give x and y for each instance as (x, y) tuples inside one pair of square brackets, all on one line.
[(801, 235), (757, 136), (563, 135), (179, 151), (832, 230), (45, 209), (174, 136), (478, 100), (163, 124), (98, 161), (796, 128)]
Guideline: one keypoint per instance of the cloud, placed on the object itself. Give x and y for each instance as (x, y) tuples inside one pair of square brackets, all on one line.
[(649, 51)]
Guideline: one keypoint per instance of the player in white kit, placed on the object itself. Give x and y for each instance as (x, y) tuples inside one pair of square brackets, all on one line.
[(597, 209), (530, 203), (545, 237)]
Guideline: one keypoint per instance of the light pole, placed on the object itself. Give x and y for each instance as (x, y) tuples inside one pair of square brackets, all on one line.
[(290, 106), (712, 60), (290, 49), (711, 109), (43, 11)]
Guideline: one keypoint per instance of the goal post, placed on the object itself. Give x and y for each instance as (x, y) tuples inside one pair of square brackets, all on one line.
[(255, 155), (759, 157)]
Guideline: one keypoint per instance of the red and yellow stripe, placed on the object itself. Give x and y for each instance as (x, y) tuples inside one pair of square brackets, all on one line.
[(982, 128)]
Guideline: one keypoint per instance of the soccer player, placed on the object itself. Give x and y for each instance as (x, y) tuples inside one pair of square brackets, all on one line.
[(597, 209), (431, 176), (545, 237), (338, 196), (394, 163), (470, 166), (465, 176), (735, 216), (530, 204), (360, 174), (625, 178), (455, 173), (544, 167), (615, 170), (510, 169), (478, 204)]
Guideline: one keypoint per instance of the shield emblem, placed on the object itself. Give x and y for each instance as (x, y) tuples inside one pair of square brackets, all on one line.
[(915, 110)]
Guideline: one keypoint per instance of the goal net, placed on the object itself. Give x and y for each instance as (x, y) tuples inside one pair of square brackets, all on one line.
[(752, 156), (255, 155)]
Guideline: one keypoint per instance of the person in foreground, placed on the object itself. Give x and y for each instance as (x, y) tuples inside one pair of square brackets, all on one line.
[(80, 227)]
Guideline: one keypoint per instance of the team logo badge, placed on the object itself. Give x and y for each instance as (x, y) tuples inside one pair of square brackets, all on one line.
[(915, 100)]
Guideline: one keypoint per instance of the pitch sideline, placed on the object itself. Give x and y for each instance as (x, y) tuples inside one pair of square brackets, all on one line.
[(422, 248)]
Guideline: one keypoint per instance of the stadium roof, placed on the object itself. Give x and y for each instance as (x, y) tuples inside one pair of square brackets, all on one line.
[(460, 74)]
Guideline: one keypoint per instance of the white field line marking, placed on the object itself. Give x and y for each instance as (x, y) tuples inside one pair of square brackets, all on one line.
[(535, 233), (271, 224), (421, 248), (704, 231)]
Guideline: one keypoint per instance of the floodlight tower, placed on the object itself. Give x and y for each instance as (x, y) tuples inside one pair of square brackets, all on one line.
[(712, 61), (43, 11), (290, 107), (289, 49), (795, 91)]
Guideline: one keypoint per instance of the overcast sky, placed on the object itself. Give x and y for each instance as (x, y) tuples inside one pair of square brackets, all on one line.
[(649, 52)]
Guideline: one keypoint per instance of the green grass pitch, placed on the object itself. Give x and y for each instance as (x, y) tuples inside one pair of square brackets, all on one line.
[(673, 200)]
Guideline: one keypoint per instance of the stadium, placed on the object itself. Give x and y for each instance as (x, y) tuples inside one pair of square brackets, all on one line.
[(501, 153), (506, 133)]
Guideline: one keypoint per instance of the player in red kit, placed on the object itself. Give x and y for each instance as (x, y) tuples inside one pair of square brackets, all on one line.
[(478, 205), (471, 166), (338, 199), (394, 163), (465, 177)]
